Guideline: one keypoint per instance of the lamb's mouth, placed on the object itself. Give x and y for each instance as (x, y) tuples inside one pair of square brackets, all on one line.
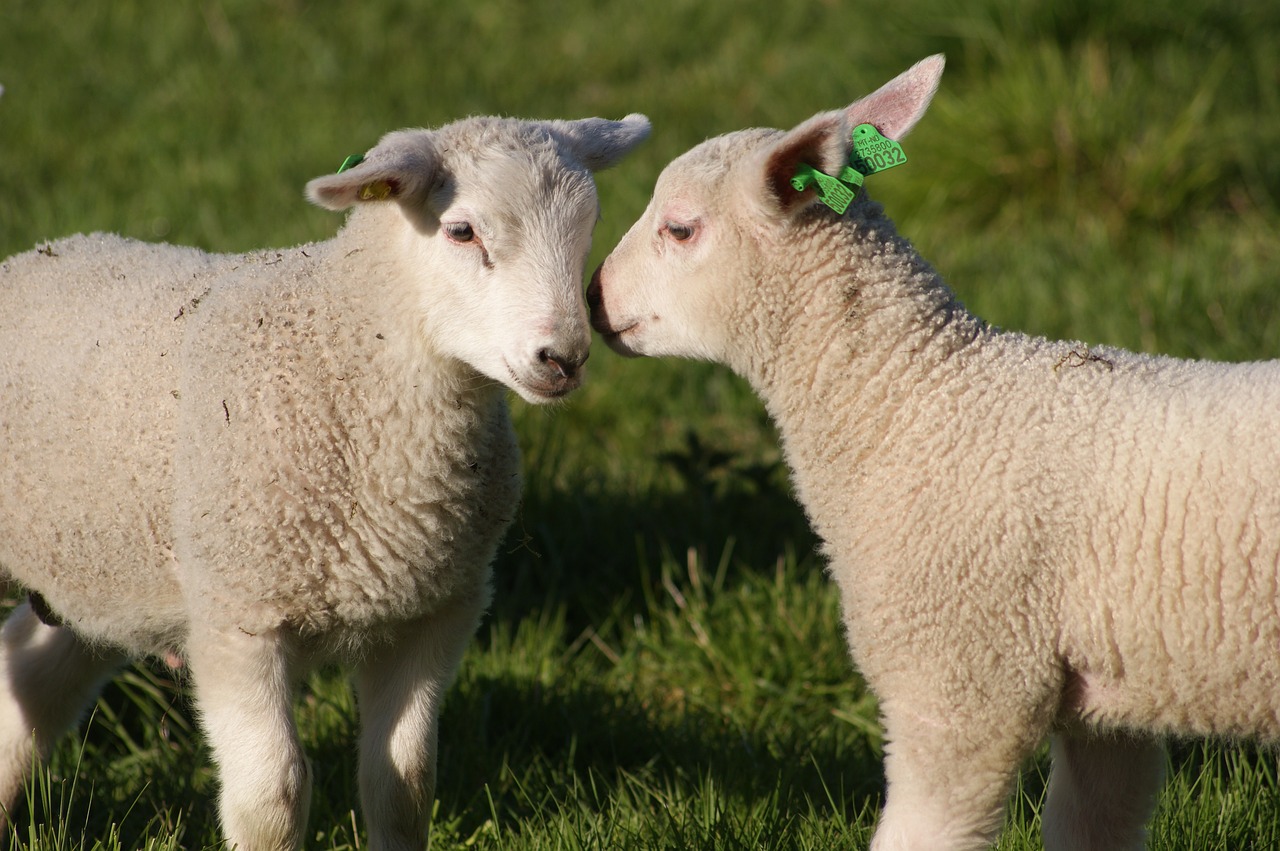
[(617, 338), (611, 334), (544, 390)]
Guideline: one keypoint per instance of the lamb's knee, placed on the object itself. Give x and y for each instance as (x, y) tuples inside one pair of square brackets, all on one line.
[(1102, 791), (244, 687), (265, 779)]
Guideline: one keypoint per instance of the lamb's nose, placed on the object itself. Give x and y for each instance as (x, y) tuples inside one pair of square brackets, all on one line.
[(566, 365)]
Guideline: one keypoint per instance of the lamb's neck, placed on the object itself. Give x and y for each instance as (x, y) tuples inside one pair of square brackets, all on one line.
[(384, 305), (858, 322)]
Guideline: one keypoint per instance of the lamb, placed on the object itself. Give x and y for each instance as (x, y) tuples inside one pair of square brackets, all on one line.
[(1031, 538), (269, 461)]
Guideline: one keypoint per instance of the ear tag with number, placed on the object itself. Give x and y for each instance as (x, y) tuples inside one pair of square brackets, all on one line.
[(874, 153), (871, 153), (378, 190), (835, 192), (350, 162)]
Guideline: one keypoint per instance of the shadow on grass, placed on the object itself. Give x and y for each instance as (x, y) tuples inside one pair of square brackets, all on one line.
[(534, 739), (513, 747)]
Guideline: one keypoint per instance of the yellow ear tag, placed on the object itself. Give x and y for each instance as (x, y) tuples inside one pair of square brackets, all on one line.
[(379, 190)]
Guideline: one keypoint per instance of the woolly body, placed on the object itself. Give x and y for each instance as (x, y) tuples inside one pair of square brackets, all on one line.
[(1114, 510), (270, 414), (1028, 535), (271, 460)]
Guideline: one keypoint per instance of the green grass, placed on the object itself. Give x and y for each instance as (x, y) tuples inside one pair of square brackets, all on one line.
[(663, 667)]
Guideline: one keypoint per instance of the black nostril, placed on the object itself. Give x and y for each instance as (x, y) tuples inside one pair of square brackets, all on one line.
[(566, 365)]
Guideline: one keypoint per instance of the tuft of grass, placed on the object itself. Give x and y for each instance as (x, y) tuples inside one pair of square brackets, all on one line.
[(1219, 798)]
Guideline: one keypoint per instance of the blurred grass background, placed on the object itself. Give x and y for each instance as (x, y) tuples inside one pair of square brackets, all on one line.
[(663, 666)]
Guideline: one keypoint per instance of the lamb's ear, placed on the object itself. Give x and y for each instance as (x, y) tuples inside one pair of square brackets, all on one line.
[(401, 167), (599, 143), (895, 107), (818, 142), (824, 140)]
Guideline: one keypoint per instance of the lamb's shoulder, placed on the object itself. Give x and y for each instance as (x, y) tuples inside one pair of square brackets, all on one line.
[(336, 474)]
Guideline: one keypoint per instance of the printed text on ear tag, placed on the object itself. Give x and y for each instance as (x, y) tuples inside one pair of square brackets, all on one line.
[(835, 192), (872, 152)]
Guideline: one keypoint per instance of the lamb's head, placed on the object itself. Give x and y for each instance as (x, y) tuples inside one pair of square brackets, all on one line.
[(491, 223), (721, 218)]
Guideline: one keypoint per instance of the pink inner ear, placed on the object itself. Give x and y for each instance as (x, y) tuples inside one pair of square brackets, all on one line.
[(892, 113), (895, 107), (333, 192)]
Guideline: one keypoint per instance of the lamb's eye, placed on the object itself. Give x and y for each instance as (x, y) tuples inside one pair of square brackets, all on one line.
[(679, 232), (459, 231)]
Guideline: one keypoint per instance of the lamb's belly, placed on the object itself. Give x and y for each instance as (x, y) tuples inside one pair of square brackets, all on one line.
[(151, 623), (1208, 702), (105, 570), (1179, 660), (125, 606)]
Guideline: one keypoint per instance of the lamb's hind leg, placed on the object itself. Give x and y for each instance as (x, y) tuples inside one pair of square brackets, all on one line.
[(1102, 790), (400, 687), (245, 687), (48, 678)]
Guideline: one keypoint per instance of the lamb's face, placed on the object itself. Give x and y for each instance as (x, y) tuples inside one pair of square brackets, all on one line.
[(686, 279), (670, 285), (494, 221), (502, 252)]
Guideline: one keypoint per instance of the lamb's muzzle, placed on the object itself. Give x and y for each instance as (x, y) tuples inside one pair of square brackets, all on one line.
[(555, 373), (565, 366), (601, 321)]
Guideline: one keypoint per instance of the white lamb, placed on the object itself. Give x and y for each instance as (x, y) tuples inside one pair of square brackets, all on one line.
[(273, 460), (1030, 537)]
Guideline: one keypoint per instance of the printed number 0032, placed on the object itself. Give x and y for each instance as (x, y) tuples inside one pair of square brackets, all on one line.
[(884, 159)]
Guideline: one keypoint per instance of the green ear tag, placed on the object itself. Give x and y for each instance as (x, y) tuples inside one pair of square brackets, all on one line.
[(350, 162), (832, 191), (872, 152)]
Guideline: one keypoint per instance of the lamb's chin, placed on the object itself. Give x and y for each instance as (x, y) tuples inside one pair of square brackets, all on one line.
[(539, 388)]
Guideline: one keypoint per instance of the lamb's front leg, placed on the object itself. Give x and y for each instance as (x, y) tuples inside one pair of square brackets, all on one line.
[(954, 749), (399, 688), (245, 688)]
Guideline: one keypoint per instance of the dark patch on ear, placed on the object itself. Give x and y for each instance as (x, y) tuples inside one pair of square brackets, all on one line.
[(803, 145)]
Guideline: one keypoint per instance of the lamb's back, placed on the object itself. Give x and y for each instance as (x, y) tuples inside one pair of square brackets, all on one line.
[(1108, 513), (1171, 607), (89, 381)]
